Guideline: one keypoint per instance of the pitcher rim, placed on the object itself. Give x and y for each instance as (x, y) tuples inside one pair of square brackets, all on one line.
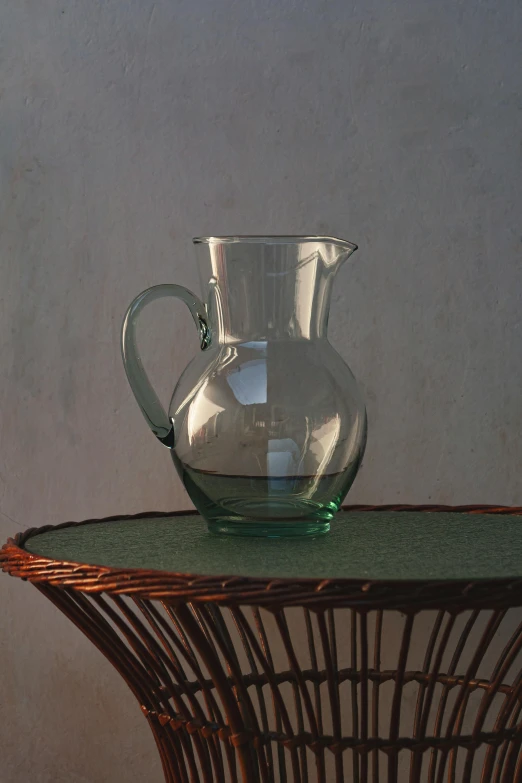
[(274, 239)]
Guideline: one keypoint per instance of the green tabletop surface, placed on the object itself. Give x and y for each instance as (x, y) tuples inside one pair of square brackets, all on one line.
[(361, 545)]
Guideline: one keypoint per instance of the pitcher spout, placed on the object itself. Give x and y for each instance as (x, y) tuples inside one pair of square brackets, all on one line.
[(336, 251)]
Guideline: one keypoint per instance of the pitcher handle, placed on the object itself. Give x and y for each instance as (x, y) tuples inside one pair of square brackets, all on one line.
[(146, 397)]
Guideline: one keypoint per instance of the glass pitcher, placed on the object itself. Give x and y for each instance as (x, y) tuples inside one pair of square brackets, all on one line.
[(266, 426)]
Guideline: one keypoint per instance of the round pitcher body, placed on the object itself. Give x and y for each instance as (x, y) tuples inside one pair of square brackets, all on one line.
[(268, 436), (266, 426)]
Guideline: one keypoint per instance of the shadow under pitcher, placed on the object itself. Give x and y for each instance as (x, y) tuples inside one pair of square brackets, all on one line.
[(266, 426)]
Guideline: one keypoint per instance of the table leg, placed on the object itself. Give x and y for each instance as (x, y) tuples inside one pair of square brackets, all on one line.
[(249, 696)]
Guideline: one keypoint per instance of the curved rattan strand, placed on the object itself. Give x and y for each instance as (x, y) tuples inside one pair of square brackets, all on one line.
[(278, 681)]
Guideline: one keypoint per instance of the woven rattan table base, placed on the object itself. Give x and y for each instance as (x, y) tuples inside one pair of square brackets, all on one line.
[(345, 681)]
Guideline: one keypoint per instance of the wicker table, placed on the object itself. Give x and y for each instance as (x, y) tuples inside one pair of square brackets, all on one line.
[(388, 650)]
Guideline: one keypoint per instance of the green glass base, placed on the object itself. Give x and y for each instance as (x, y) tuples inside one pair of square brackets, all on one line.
[(280, 529), (264, 506)]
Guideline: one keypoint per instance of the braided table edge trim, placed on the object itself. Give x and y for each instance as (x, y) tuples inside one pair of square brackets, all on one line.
[(315, 594)]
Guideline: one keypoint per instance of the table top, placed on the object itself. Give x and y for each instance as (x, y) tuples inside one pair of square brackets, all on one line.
[(371, 555), (361, 545)]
